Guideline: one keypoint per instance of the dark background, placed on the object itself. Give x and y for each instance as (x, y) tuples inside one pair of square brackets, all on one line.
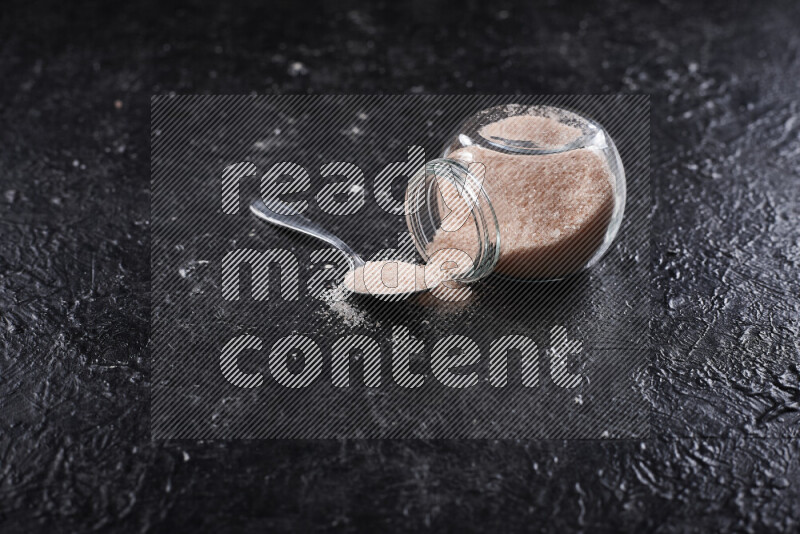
[(75, 453)]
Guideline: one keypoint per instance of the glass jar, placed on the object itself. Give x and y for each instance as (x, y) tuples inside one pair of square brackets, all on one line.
[(531, 192)]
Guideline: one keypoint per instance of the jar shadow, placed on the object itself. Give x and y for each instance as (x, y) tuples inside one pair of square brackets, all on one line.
[(502, 300)]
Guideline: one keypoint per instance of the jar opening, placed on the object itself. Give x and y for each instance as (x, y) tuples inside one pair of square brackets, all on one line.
[(447, 207)]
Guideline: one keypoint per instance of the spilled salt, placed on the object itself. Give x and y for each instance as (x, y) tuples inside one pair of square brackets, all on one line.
[(347, 313)]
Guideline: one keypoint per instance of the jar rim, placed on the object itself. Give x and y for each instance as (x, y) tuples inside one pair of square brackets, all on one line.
[(591, 131)]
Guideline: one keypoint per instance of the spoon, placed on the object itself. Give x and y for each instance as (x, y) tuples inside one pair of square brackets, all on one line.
[(298, 223)]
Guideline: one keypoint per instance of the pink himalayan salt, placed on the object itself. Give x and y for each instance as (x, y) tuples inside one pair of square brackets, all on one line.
[(552, 209), (394, 277), (386, 277)]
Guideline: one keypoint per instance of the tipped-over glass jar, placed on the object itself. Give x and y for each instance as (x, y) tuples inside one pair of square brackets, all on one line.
[(533, 192)]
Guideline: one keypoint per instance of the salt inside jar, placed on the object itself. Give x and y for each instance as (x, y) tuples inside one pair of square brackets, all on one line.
[(532, 192)]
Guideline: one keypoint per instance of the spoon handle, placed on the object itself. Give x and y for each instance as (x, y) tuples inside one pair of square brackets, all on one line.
[(298, 223)]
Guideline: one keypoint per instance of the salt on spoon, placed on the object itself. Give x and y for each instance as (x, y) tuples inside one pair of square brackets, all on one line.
[(400, 278)]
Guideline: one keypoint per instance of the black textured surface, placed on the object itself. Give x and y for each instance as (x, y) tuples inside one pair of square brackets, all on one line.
[(75, 454)]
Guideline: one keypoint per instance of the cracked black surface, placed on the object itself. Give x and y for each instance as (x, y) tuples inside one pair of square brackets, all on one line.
[(75, 453)]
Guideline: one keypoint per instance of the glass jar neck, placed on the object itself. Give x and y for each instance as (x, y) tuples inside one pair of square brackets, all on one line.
[(427, 213)]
